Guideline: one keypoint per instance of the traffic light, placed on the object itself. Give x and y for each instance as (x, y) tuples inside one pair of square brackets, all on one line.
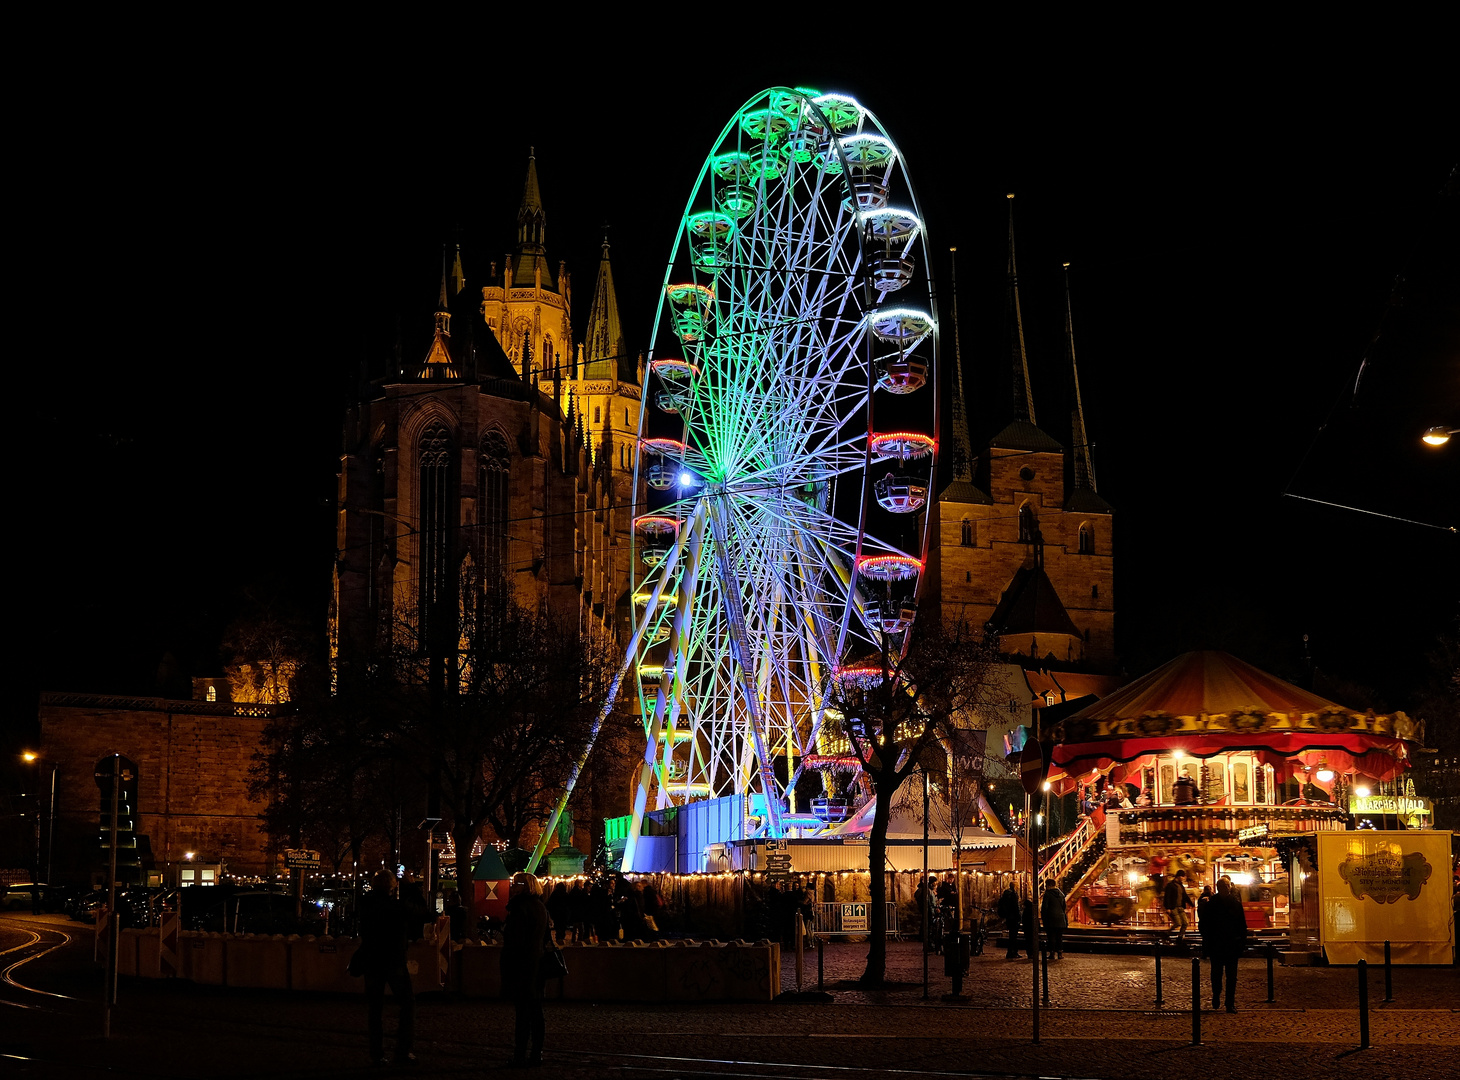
[(129, 861)]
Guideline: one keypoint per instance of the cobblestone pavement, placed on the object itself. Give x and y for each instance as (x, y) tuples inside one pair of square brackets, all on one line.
[(178, 1030)]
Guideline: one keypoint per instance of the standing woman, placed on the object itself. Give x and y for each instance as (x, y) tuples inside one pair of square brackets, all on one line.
[(1053, 916), (524, 939)]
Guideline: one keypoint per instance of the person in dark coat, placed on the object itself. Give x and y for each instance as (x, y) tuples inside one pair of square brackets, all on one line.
[(524, 940), (1203, 905), (1009, 912), (1054, 917), (578, 912), (1224, 936), (414, 898), (386, 926), (557, 909), (653, 908), (601, 914), (630, 907)]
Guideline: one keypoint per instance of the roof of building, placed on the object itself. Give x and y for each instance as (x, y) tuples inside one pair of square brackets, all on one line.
[(963, 491), (1084, 500), (606, 351), (1030, 605), (1024, 435)]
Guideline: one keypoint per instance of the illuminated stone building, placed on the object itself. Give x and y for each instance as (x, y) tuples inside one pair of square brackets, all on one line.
[(491, 457), (1023, 543)]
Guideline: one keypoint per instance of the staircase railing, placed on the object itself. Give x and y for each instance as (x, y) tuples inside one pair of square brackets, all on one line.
[(1069, 852)]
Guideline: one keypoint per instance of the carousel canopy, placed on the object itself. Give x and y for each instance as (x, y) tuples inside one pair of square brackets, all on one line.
[(1207, 703)]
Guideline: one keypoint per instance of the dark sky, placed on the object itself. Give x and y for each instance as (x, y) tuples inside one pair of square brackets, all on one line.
[(215, 264)]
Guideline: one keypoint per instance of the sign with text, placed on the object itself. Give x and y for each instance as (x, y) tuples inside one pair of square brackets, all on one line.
[(1252, 832), (1399, 805), (854, 917), (1377, 886), (301, 859)]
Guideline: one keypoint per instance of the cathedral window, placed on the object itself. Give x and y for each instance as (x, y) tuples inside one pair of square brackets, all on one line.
[(494, 475), (434, 514), (966, 535), (1087, 539), (1028, 526), (597, 415), (547, 356)]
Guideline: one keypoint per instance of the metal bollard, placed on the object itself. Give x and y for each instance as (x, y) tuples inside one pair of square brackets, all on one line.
[(820, 980), (1044, 956), (1158, 974), (1388, 976), (1363, 1004), (1271, 954), (1196, 1001)]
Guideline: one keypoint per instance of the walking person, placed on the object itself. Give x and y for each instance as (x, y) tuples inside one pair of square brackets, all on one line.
[(1053, 916), (1176, 902), (524, 940), (1031, 933), (578, 912), (1224, 936), (386, 925), (1008, 910)]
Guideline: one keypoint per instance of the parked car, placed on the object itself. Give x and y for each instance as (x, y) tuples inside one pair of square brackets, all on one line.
[(134, 906), (252, 913), (22, 897)]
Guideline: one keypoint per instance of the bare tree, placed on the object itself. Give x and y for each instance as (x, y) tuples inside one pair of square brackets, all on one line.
[(892, 709)]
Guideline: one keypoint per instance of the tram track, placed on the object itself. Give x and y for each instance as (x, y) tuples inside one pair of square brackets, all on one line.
[(8, 974)]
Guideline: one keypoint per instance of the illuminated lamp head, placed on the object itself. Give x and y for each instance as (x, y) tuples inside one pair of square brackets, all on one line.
[(1438, 435), (1324, 773)]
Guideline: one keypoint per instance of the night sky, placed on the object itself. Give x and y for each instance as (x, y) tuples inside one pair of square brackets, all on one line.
[(219, 263)]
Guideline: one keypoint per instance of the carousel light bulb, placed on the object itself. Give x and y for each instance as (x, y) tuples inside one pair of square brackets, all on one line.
[(1324, 774), (1361, 792), (1178, 754)]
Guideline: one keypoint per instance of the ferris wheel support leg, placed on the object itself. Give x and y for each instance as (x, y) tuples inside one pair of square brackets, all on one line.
[(630, 652), (735, 616), (679, 637)]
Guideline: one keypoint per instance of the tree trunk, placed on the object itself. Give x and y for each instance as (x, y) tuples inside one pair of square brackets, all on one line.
[(876, 973)]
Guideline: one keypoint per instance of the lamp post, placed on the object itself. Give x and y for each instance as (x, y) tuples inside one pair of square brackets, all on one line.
[(31, 757)]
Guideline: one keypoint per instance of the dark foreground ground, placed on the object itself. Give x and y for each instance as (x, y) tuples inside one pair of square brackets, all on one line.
[(1103, 1023)]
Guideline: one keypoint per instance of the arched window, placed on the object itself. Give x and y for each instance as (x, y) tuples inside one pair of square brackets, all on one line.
[(597, 415), (1087, 539), (494, 477), (1028, 526), (966, 536), (434, 513), (547, 356)]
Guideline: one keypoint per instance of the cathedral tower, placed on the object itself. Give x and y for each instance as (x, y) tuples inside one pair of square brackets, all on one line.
[(1018, 549)]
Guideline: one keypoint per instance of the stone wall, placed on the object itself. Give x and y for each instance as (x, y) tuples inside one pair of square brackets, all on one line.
[(194, 759)]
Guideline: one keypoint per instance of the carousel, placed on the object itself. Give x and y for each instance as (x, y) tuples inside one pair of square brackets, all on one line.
[(1210, 766)]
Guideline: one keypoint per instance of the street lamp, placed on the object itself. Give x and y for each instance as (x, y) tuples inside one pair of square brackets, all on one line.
[(30, 757), (1438, 435)]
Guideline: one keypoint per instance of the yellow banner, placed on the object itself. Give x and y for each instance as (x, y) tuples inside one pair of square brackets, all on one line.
[(1386, 886)]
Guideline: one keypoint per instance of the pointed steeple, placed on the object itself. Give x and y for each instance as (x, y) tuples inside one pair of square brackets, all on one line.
[(531, 220), (962, 444), (605, 348), (439, 365), (458, 275), (1084, 471), (1023, 394), (530, 268), (1082, 496)]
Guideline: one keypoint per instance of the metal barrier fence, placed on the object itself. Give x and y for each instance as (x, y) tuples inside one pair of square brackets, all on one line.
[(833, 920)]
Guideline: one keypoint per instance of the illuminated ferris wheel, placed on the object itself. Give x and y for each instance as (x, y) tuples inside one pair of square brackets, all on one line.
[(788, 457)]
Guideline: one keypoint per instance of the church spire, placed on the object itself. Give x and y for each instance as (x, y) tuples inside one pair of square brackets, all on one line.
[(439, 365), (962, 445), (606, 351), (1023, 394), (531, 220), (458, 275), (1080, 445)]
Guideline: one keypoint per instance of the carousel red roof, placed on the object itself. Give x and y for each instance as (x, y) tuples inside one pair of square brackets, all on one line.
[(1207, 703)]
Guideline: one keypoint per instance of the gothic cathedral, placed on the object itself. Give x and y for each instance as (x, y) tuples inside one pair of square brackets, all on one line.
[(501, 455)]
